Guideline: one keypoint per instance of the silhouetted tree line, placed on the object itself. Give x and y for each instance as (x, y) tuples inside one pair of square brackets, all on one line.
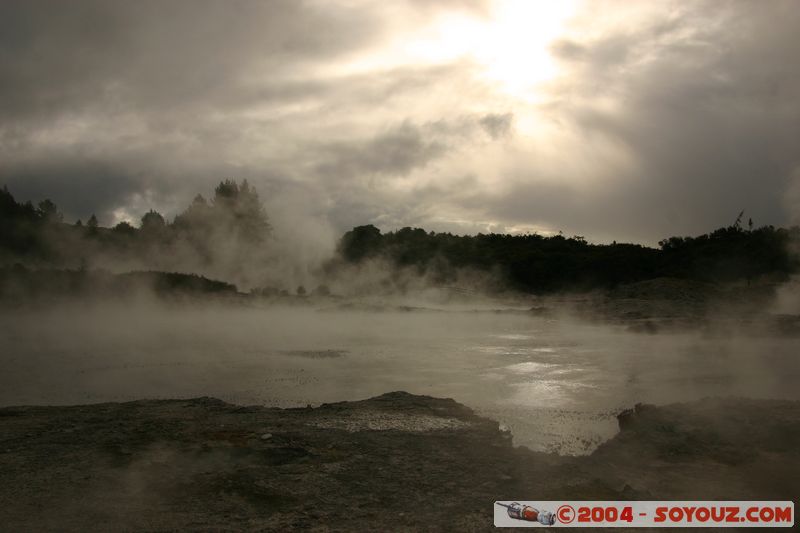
[(37, 235), (22, 223), (235, 213), (535, 263)]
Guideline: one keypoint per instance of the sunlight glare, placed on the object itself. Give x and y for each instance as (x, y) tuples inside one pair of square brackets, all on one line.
[(511, 45)]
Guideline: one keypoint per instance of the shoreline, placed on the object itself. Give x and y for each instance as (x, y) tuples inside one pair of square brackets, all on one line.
[(203, 464)]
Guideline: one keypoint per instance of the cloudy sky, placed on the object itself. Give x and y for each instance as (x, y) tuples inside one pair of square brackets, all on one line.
[(613, 120)]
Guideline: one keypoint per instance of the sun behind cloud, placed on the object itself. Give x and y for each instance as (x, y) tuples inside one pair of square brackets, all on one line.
[(510, 44)]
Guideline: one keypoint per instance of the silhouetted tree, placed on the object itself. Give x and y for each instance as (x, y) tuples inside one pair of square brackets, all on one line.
[(360, 242), (737, 225), (199, 201), (49, 212), (234, 218), (152, 222), (198, 214), (20, 223), (241, 209), (226, 192), (124, 228)]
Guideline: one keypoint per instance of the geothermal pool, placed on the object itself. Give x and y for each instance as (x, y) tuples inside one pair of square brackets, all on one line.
[(556, 383)]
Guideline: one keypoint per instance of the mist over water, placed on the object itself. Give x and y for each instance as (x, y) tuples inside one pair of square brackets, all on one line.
[(555, 382)]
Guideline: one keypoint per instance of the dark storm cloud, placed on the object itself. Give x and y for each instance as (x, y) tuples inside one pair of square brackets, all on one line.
[(60, 57)]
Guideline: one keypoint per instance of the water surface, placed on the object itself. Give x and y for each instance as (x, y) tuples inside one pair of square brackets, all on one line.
[(555, 383)]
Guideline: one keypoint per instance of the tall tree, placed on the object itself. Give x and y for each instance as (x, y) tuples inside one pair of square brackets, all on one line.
[(92, 224), (153, 222), (49, 212)]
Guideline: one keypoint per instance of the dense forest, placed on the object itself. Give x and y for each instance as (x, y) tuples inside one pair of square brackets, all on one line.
[(535, 263), (230, 234)]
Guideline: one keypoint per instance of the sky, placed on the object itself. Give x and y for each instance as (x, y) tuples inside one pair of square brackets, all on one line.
[(613, 120)]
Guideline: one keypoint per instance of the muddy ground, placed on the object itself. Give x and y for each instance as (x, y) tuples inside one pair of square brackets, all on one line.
[(394, 462)]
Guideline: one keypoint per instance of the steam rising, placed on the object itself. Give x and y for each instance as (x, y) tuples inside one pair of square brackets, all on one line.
[(556, 382), (318, 118)]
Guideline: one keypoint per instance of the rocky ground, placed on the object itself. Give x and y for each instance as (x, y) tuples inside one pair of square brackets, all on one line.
[(394, 462)]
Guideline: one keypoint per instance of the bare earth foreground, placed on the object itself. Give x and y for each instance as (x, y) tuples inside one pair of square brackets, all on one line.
[(395, 462)]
